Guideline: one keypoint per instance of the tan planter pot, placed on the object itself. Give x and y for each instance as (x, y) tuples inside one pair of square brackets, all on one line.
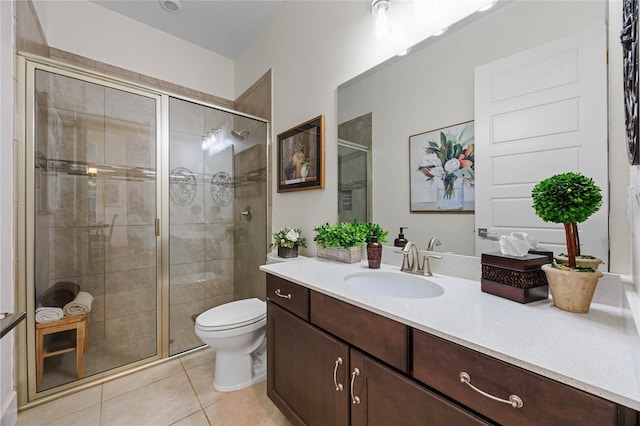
[(572, 291), (353, 255), (585, 263)]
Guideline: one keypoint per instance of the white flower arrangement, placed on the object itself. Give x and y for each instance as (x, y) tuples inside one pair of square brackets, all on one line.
[(289, 238)]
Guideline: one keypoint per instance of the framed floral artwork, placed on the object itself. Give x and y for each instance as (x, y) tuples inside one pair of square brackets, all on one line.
[(301, 157), (442, 170)]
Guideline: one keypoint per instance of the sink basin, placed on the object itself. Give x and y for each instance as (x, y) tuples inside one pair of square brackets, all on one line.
[(394, 285)]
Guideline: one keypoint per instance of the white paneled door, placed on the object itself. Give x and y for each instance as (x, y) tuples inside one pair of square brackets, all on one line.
[(538, 113)]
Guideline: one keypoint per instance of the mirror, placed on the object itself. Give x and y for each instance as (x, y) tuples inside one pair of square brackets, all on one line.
[(432, 88)]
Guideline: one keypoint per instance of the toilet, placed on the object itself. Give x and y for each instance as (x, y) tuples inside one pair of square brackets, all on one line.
[(237, 332)]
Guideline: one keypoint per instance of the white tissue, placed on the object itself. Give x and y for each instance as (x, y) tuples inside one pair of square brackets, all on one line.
[(517, 244), (533, 243)]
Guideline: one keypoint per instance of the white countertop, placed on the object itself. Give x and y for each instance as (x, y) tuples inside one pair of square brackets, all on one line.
[(598, 352)]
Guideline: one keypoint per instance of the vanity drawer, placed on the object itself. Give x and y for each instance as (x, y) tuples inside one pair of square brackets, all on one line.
[(439, 364), (381, 337), (291, 296)]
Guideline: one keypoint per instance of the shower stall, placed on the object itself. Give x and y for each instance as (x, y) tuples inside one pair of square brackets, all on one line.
[(141, 211)]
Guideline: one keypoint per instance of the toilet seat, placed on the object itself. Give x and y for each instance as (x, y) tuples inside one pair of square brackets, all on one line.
[(240, 313)]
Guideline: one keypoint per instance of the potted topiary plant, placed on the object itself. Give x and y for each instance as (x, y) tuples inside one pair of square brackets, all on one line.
[(287, 240), (569, 198)]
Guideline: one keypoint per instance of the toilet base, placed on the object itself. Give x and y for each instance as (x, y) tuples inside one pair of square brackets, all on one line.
[(252, 381), (234, 371)]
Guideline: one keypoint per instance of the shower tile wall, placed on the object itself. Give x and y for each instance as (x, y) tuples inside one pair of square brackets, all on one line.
[(95, 210), (250, 164), (201, 228)]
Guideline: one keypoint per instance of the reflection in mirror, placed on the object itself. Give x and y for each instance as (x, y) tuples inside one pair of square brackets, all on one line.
[(433, 87), (354, 170)]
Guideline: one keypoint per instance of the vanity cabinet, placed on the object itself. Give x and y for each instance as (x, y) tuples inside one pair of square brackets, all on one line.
[(333, 363), (316, 378)]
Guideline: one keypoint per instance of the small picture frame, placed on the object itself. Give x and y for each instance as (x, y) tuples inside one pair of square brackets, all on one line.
[(301, 157)]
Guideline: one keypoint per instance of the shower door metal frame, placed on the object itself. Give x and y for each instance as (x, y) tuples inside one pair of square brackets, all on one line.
[(27, 66), (25, 118)]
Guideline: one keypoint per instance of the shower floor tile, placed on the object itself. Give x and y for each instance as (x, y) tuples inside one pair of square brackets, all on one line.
[(177, 392)]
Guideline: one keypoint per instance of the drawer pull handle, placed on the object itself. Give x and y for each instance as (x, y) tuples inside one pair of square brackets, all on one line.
[(514, 400), (338, 386), (284, 296), (354, 398)]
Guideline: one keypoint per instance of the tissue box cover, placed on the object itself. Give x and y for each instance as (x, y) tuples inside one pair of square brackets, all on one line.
[(515, 278)]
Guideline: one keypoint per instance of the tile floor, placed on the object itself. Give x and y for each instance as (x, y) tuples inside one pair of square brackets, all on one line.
[(178, 392)]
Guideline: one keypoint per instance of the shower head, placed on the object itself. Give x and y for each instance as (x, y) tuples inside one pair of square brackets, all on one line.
[(240, 134)]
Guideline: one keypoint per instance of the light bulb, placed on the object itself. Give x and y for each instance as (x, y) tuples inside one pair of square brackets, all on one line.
[(382, 24)]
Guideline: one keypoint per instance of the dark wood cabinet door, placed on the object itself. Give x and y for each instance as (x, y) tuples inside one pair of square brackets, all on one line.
[(384, 397), (301, 362)]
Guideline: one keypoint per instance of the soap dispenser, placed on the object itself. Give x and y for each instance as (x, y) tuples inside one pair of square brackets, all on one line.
[(401, 241)]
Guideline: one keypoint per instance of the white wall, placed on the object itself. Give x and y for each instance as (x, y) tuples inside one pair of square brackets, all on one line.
[(86, 29), (8, 402), (433, 88)]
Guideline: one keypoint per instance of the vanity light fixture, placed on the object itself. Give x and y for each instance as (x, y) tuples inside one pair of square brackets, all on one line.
[(380, 10), (171, 6), (488, 6), (211, 143)]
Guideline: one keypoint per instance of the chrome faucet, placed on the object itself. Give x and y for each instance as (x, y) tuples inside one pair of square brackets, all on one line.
[(433, 242), (411, 260)]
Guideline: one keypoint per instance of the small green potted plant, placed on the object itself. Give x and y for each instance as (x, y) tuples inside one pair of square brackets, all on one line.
[(287, 240), (375, 237), (343, 241), (569, 198), (375, 230)]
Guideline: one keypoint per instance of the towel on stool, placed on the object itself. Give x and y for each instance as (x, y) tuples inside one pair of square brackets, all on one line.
[(80, 305), (60, 294), (46, 313)]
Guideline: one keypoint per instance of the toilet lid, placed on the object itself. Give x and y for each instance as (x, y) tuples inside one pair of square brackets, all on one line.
[(232, 314)]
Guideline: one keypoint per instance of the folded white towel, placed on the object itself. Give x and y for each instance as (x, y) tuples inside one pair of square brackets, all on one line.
[(48, 313), (80, 305)]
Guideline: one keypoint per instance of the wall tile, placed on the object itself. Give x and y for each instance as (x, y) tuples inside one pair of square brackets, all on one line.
[(187, 243), (131, 247), (219, 241), (220, 277), (131, 107), (130, 144), (186, 116), (75, 95)]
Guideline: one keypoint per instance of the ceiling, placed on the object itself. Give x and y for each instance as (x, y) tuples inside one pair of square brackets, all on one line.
[(221, 26)]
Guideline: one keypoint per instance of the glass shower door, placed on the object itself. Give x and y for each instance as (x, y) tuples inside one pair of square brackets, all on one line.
[(93, 227), (217, 213)]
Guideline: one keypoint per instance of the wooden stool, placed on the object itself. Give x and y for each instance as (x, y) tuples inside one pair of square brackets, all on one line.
[(78, 323)]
